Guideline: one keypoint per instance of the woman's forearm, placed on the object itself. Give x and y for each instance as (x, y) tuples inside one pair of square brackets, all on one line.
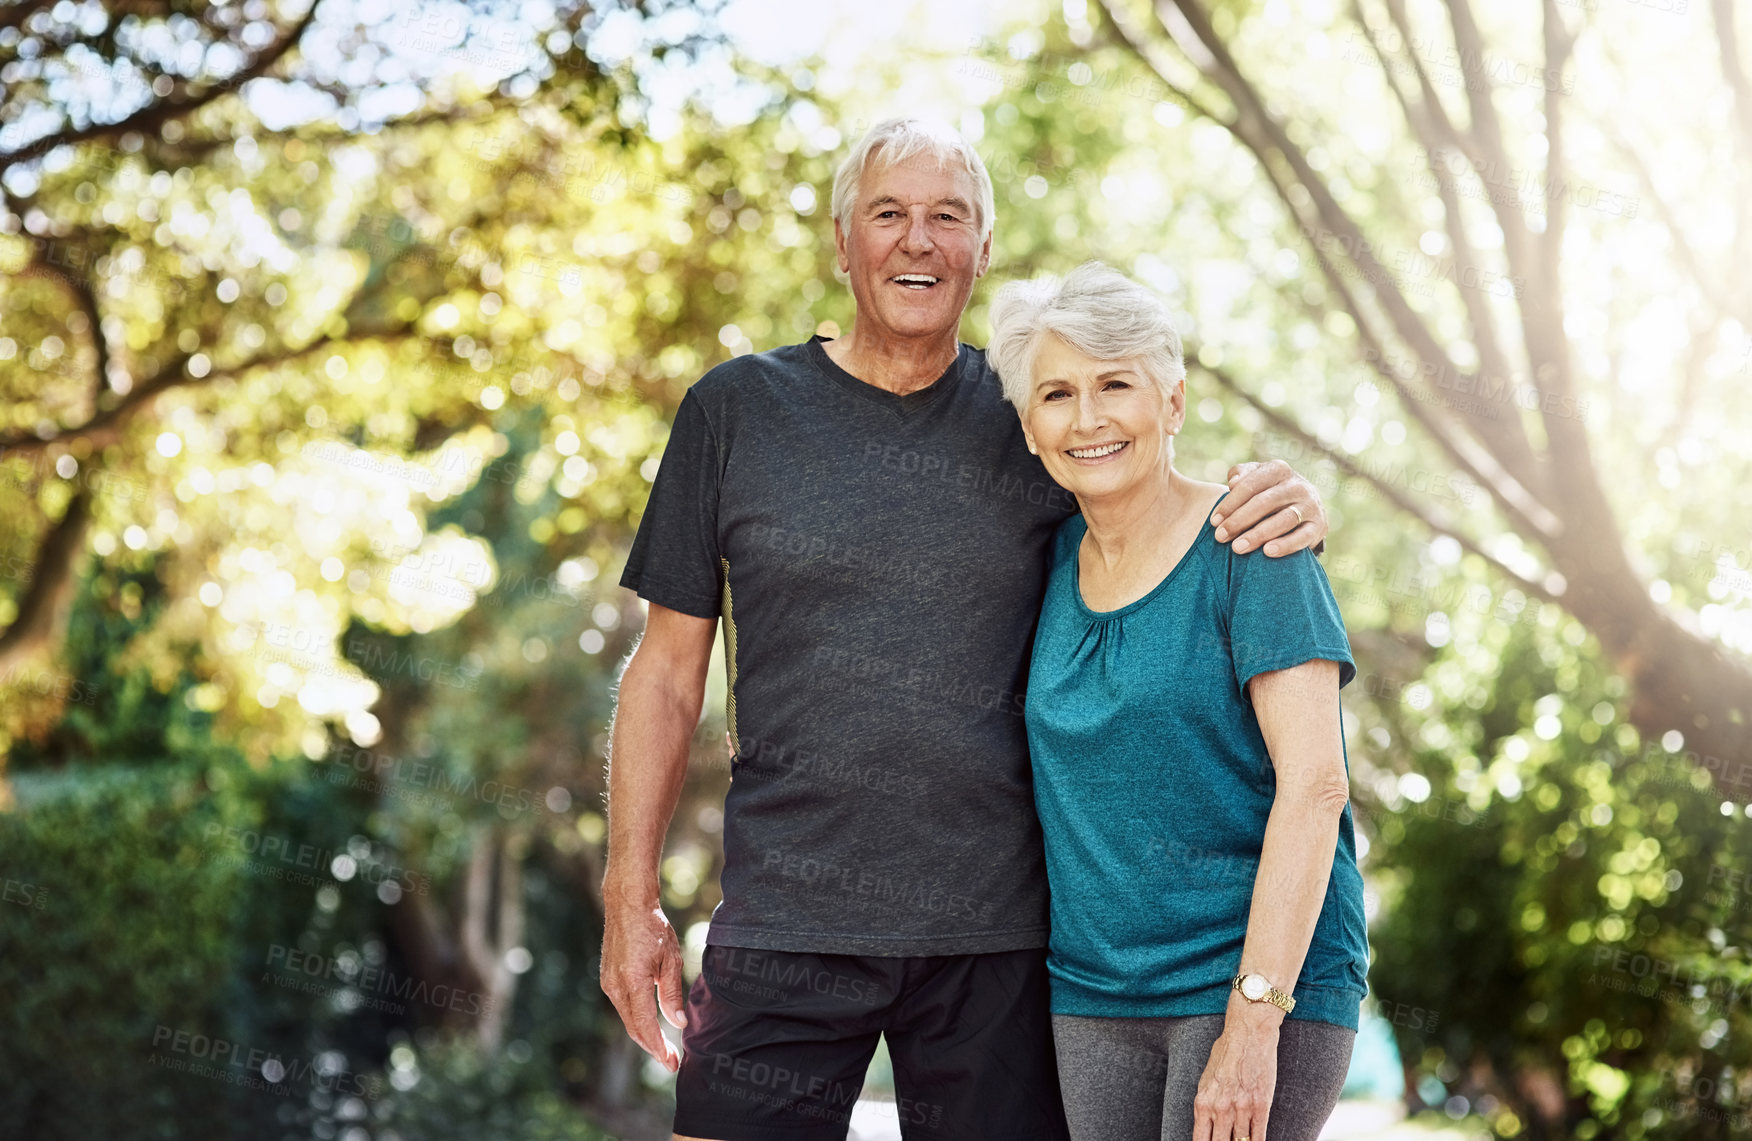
[(1289, 888), (1299, 719)]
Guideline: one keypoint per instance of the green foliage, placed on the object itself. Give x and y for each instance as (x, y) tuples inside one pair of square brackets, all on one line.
[(126, 931), (458, 1093)]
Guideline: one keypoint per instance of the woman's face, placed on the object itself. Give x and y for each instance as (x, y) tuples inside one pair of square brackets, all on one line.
[(1100, 426)]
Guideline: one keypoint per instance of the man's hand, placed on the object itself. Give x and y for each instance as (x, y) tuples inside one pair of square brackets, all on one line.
[(1270, 506), (639, 951)]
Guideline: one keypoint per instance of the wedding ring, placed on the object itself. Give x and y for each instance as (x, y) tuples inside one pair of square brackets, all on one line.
[(1299, 521)]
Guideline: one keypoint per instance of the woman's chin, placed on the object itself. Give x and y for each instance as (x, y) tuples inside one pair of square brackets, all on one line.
[(1096, 482)]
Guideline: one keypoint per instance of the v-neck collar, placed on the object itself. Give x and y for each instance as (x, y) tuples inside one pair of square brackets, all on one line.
[(905, 406)]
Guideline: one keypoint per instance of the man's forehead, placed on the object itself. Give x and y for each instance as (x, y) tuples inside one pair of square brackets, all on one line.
[(920, 179)]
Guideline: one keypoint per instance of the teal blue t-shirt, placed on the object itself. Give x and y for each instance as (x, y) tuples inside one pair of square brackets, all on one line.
[(1153, 782)]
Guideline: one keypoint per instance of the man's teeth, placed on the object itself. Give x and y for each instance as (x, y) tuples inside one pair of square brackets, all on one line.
[(916, 280), (1096, 452)]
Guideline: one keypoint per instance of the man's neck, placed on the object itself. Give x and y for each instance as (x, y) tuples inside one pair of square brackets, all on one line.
[(894, 364)]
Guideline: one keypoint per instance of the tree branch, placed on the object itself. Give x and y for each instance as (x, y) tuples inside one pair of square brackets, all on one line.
[(1263, 134), (1521, 508), (1435, 524), (42, 611), (153, 116), (1485, 133), (1430, 123)]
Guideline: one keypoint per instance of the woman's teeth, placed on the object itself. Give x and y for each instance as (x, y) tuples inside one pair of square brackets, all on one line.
[(1094, 453)]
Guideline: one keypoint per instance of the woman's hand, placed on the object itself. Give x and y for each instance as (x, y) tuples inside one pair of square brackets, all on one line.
[(1235, 1091)]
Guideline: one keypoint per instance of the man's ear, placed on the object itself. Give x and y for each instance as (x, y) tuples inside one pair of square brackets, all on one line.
[(985, 258), (839, 245)]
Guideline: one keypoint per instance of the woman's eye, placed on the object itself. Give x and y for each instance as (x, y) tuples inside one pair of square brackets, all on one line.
[(1117, 384)]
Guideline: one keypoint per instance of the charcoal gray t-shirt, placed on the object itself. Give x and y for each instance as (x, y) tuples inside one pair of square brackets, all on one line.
[(879, 563)]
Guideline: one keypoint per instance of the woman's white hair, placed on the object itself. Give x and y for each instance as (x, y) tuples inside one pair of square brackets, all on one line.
[(899, 140), (1096, 310)]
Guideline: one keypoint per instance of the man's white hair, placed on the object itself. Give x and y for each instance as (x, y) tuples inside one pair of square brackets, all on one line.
[(902, 140), (1098, 311)]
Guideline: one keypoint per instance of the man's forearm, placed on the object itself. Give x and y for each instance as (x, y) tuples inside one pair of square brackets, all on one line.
[(648, 762)]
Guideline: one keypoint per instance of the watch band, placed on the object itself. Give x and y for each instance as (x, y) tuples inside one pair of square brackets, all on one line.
[(1273, 995)]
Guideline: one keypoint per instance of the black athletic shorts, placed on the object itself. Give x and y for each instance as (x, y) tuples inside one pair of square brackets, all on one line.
[(777, 1044)]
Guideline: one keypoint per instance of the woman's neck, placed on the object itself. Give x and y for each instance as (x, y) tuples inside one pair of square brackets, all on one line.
[(1133, 521)]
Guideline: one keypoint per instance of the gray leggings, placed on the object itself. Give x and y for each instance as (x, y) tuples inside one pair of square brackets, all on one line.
[(1133, 1079)]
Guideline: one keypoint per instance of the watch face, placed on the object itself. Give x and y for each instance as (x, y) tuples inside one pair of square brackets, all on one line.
[(1253, 987)]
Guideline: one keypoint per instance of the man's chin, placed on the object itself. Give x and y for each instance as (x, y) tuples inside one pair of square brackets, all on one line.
[(919, 320)]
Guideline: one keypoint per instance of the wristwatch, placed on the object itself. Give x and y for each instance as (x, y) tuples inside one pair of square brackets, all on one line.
[(1257, 988)]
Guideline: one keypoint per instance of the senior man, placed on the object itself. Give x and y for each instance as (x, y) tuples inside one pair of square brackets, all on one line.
[(864, 517)]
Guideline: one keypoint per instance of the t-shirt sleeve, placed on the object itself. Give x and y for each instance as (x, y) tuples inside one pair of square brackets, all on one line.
[(674, 560), (1281, 614)]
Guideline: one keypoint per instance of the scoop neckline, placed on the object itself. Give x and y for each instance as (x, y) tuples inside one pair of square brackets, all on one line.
[(1107, 615)]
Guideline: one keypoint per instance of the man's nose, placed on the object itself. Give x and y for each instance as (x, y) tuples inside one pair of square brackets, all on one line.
[(918, 234)]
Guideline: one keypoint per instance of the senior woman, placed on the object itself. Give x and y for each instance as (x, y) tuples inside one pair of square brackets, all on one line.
[(1208, 954)]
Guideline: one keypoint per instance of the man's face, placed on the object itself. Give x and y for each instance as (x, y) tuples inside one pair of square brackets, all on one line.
[(911, 246)]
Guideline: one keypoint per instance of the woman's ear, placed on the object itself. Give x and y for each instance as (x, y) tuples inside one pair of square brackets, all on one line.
[(1177, 407)]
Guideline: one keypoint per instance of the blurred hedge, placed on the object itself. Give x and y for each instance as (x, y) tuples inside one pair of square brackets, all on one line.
[(127, 931), (134, 935)]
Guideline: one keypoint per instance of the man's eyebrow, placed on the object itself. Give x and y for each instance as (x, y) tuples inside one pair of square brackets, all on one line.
[(954, 201)]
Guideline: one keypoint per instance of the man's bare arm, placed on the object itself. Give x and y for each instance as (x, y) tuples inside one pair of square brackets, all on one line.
[(1270, 506), (661, 692)]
